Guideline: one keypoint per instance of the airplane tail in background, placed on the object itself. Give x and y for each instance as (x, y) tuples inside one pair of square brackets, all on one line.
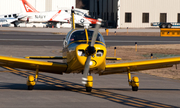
[(28, 7)]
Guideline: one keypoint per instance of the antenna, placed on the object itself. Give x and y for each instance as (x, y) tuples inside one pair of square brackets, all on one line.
[(72, 16)]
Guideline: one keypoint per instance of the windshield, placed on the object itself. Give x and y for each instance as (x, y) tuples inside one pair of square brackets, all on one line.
[(80, 35)]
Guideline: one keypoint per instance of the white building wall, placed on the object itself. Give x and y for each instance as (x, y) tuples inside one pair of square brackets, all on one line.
[(9, 6), (63, 4), (40, 5), (153, 7)]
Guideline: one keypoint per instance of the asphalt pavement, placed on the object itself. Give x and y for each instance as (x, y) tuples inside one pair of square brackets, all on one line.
[(67, 91), (49, 39), (66, 30)]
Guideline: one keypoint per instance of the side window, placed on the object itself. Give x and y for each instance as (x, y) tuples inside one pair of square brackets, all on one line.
[(5, 16), (15, 15), (9, 15), (65, 40)]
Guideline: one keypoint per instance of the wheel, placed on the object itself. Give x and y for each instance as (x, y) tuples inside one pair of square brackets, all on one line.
[(163, 26), (169, 26), (30, 87), (134, 88), (88, 89)]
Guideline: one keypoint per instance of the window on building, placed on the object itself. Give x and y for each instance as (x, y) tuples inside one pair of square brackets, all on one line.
[(178, 18), (128, 17), (145, 18), (163, 17)]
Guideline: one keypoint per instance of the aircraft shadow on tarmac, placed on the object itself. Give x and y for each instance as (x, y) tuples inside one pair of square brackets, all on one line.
[(149, 89), (51, 83)]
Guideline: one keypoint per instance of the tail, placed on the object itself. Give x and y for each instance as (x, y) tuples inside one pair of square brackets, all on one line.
[(28, 7)]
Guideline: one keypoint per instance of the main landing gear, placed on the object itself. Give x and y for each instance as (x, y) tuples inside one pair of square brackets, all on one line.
[(89, 83), (134, 83), (31, 81)]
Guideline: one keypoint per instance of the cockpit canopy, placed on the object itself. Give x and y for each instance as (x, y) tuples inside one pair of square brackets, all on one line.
[(80, 35)]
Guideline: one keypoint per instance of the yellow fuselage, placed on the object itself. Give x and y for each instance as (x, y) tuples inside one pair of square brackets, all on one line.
[(76, 62)]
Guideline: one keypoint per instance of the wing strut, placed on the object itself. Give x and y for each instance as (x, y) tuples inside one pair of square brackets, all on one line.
[(134, 82)]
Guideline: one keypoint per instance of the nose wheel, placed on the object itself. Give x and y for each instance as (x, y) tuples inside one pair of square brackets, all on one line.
[(88, 89)]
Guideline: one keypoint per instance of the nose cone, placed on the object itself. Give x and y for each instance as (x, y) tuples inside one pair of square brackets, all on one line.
[(97, 62), (92, 20)]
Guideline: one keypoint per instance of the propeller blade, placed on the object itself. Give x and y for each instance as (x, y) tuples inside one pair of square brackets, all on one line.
[(90, 51), (95, 34), (86, 68)]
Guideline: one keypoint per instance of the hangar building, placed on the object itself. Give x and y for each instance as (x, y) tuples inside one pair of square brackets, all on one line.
[(115, 13), (135, 13)]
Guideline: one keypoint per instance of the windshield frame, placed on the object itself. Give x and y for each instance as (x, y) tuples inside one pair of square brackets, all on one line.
[(101, 39)]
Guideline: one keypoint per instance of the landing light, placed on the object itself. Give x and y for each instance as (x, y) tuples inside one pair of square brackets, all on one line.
[(90, 63)]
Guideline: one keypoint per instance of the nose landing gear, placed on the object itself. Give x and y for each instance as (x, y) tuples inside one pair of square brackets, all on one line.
[(89, 83)]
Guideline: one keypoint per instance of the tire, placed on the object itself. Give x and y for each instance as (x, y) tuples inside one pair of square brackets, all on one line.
[(169, 26), (88, 89), (163, 25), (134, 88), (30, 87), (15, 25)]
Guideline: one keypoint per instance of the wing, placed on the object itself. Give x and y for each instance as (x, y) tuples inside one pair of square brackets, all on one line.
[(44, 66), (46, 57), (140, 65)]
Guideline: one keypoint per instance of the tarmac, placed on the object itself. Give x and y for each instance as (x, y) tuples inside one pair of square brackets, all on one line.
[(64, 31), (67, 91)]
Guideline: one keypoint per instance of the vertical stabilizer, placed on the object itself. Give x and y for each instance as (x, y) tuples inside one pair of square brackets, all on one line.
[(28, 7)]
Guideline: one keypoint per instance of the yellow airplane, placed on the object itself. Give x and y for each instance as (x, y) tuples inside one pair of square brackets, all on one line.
[(84, 51)]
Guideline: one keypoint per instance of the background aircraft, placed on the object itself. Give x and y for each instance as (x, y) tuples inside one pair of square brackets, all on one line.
[(6, 22), (53, 18), (31, 15)]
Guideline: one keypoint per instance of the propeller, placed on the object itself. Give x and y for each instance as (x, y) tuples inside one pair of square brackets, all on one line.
[(89, 52)]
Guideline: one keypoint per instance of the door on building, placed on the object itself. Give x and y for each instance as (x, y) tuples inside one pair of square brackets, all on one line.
[(163, 17)]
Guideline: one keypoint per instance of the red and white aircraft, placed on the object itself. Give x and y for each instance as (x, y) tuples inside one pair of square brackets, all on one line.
[(31, 15)]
